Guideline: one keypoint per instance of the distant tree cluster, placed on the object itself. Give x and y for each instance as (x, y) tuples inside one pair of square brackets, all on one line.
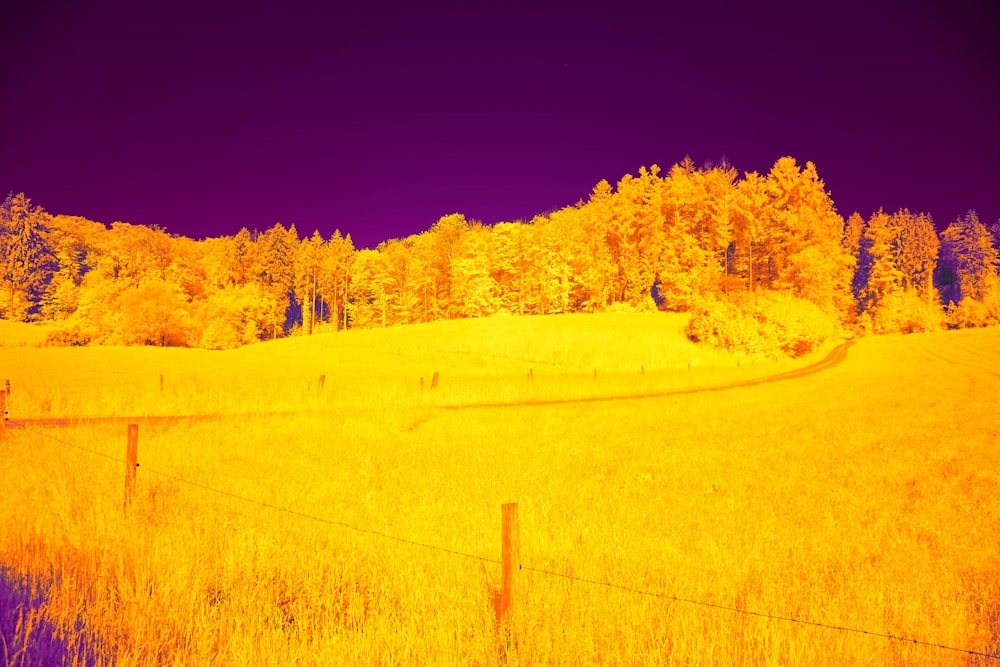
[(764, 263)]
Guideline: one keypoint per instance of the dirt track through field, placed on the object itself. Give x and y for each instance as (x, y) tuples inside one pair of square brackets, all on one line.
[(836, 356), (149, 419)]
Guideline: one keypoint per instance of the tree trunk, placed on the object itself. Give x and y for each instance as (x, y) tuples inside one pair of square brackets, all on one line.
[(345, 300)]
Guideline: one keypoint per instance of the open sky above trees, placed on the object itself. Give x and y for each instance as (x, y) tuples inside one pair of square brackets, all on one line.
[(378, 122)]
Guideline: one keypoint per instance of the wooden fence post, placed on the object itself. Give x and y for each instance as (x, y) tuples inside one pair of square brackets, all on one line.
[(434, 380), (3, 415), (322, 381), (511, 555), (161, 383), (131, 462)]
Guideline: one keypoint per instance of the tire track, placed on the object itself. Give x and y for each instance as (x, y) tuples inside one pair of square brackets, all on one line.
[(833, 359), (836, 356), (151, 419)]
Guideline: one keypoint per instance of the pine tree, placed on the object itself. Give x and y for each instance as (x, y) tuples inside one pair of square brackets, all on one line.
[(307, 268), (26, 259), (918, 252), (751, 225), (807, 257), (968, 260), (274, 270), (241, 258), (337, 258)]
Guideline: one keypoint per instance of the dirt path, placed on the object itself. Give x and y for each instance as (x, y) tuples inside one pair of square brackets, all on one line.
[(148, 419), (836, 356)]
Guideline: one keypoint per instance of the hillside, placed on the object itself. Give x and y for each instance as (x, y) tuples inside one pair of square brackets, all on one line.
[(511, 359)]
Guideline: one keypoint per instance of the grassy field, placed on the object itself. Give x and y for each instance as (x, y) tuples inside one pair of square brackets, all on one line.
[(865, 496)]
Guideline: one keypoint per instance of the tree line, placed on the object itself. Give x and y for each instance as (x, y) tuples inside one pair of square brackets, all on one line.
[(763, 262)]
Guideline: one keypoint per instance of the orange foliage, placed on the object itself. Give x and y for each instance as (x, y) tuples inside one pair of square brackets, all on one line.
[(679, 241)]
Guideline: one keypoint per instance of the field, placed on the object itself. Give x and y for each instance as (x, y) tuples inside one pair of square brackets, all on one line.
[(278, 522)]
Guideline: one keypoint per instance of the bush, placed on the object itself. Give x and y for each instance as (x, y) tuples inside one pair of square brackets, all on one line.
[(230, 318), (767, 323), (970, 313), (69, 337), (906, 312), (724, 324)]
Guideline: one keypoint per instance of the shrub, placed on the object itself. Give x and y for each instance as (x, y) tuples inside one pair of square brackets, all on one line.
[(906, 312), (766, 323), (71, 336)]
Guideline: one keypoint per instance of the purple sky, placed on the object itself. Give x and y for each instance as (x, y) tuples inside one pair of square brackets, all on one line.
[(379, 121)]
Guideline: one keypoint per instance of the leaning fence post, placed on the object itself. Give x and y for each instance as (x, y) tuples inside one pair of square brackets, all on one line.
[(434, 380), (322, 381), (511, 553), (131, 462)]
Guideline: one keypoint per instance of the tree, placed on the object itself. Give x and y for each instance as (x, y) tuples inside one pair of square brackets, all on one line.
[(878, 274), (404, 285), (153, 313), (592, 264), (700, 212), (918, 252), (307, 266), (274, 270), (508, 265), (807, 257), (232, 316), (26, 259), (445, 238), (334, 278), (134, 253), (582, 262), (240, 258), (968, 260), (475, 289), (854, 228), (717, 236), (636, 235), (371, 299), (751, 225), (73, 241), (545, 284)]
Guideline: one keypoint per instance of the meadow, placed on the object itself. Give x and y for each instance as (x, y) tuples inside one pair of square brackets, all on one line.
[(864, 496)]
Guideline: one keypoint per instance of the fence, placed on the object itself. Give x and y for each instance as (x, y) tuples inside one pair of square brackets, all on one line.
[(511, 566)]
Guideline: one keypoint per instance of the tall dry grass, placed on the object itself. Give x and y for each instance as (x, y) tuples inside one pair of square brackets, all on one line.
[(864, 496)]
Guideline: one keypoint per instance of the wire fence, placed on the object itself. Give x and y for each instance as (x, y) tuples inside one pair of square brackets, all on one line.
[(527, 568)]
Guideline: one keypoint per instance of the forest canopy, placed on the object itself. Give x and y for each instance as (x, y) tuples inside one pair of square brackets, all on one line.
[(764, 263)]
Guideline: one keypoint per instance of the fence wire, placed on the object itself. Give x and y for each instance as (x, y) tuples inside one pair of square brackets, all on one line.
[(540, 571)]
